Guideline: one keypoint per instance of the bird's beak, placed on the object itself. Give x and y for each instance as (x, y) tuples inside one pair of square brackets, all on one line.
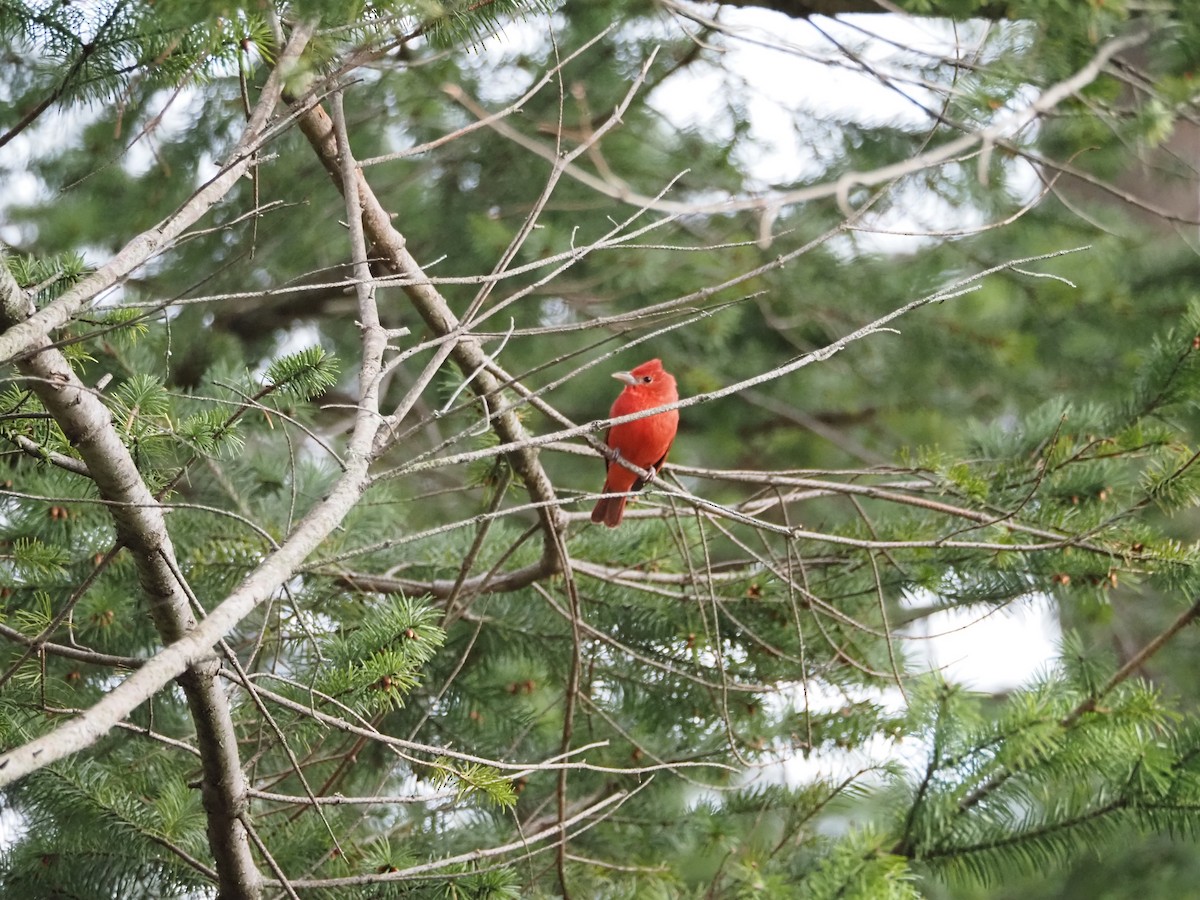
[(626, 377)]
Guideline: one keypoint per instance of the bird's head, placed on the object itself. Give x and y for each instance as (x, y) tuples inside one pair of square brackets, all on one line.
[(648, 373)]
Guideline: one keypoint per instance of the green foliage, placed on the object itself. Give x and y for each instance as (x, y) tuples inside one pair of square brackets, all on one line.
[(51, 276), (305, 374), (473, 778), (463, 23), (1048, 776), (210, 433), (114, 823), (374, 666), (856, 868)]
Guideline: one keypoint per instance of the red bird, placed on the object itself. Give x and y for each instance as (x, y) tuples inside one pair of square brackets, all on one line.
[(643, 442)]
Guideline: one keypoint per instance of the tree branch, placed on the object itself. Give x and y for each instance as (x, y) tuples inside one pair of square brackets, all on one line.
[(142, 528), (466, 351), (19, 336)]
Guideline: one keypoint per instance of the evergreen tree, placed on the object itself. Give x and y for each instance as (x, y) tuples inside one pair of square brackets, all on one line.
[(307, 315)]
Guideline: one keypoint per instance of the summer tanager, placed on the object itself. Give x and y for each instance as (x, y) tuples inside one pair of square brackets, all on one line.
[(643, 442)]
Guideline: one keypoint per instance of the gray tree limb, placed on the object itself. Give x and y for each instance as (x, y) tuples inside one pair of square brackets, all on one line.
[(139, 520), (467, 352), (142, 528)]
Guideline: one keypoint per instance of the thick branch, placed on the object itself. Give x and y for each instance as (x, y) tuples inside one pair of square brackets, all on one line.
[(142, 528)]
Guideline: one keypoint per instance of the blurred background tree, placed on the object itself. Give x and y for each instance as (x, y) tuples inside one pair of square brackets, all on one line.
[(926, 279)]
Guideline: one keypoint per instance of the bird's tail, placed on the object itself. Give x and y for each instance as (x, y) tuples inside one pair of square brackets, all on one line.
[(609, 510)]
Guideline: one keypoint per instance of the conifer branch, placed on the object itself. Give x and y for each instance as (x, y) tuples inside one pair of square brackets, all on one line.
[(66, 81), (1187, 617), (19, 336), (31, 448), (446, 588), (526, 846), (66, 651), (429, 751), (1135, 662), (142, 528), (195, 644)]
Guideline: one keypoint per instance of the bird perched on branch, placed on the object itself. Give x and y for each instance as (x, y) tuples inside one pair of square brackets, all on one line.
[(643, 442)]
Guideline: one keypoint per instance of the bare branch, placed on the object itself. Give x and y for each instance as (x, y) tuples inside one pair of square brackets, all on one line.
[(984, 138), (466, 351)]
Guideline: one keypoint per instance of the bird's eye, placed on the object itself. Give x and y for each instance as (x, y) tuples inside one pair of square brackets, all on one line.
[(646, 379)]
